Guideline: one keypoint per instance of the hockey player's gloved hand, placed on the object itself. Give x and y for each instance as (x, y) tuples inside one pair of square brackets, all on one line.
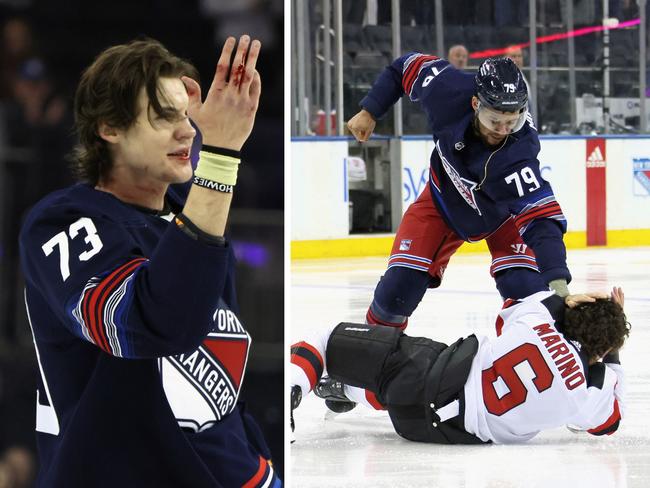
[(362, 125)]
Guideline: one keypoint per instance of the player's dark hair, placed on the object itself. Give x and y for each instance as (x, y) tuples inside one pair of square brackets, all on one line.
[(108, 93), (597, 326)]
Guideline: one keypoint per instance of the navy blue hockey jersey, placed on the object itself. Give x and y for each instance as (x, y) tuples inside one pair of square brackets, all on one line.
[(475, 187), (141, 351)]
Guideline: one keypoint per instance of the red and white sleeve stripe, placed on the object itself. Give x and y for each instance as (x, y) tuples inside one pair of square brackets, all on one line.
[(99, 306), (546, 208), (412, 68)]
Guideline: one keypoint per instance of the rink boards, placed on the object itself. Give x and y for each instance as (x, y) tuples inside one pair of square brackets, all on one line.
[(602, 184)]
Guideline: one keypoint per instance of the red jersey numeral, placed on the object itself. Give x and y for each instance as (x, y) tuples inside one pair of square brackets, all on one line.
[(504, 368)]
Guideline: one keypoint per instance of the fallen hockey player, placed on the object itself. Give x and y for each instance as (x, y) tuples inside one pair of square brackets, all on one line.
[(550, 365)]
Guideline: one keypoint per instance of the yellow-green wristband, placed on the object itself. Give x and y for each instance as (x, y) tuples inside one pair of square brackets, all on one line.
[(217, 167)]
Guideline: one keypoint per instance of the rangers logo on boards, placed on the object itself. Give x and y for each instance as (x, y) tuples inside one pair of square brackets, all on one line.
[(641, 171)]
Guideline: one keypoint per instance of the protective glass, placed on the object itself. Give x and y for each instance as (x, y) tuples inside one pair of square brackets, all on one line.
[(501, 122)]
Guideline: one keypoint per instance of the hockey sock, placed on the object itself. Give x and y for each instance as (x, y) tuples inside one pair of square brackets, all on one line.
[(306, 366), (364, 397), (376, 316), (308, 360), (397, 295)]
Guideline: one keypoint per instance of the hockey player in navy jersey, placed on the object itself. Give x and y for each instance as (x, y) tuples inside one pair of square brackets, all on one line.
[(549, 366), (130, 287), (484, 183)]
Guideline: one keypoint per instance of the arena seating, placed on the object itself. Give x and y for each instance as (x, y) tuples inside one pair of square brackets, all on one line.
[(369, 48)]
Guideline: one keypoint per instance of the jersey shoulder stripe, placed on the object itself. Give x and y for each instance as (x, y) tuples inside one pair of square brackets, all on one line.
[(546, 207), (99, 302), (412, 69)]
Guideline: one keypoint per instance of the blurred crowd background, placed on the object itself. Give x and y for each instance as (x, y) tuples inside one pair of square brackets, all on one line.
[(459, 30), (44, 46)]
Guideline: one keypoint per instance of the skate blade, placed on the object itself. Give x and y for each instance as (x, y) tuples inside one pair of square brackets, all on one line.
[(575, 429), (330, 415)]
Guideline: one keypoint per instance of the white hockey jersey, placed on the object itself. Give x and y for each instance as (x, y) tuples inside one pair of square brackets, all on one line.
[(532, 378)]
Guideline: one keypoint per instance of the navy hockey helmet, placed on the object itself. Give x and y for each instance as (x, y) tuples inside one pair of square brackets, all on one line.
[(501, 86)]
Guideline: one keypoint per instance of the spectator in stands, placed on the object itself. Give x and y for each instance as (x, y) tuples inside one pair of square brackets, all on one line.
[(458, 56), (17, 468), (515, 53), (36, 120), (39, 118), (17, 46)]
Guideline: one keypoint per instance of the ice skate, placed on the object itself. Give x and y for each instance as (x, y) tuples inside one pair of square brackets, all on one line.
[(332, 392)]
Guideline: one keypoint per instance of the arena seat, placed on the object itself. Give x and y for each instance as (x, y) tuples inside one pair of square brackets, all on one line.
[(379, 38)]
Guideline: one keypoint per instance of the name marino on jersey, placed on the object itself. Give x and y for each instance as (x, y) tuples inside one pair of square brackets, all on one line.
[(562, 356), (532, 377)]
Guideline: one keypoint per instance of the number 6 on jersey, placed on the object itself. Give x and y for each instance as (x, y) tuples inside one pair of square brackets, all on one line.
[(504, 369)]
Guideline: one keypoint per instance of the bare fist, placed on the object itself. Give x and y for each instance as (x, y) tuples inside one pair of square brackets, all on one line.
[(362, 125)]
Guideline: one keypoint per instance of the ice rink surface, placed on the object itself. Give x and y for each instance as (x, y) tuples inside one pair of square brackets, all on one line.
[(360, 448)]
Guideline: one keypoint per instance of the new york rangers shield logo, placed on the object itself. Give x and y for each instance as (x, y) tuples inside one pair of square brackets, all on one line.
[(202, 386), (405, 244), (641, 168)]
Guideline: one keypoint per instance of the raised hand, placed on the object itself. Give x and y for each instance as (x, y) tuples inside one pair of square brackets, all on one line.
[(362, 125), (226, 117), (617, 296)]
